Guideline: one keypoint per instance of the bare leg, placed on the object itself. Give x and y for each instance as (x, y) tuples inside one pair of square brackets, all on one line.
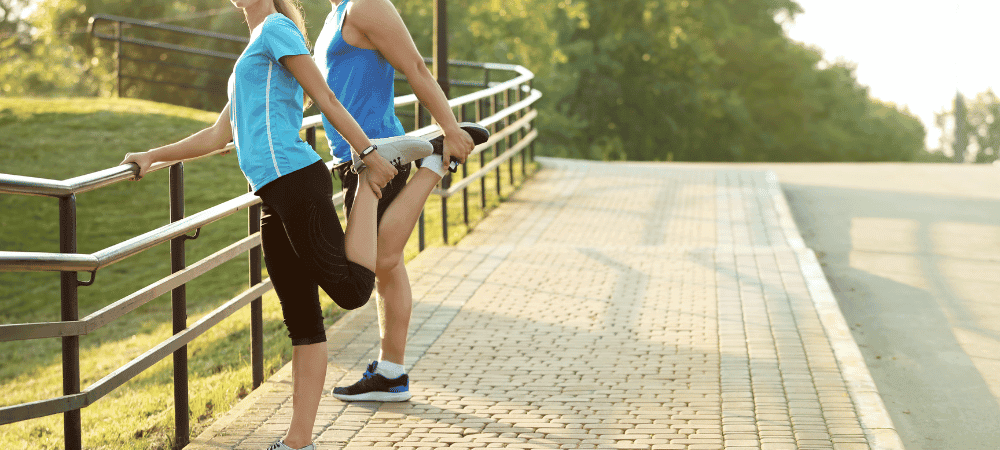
[(308, 375), (360, 236), (395, 299), (309, 361)]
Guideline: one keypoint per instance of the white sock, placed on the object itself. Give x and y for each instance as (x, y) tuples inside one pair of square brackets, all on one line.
[(389, 369), (435, 163)]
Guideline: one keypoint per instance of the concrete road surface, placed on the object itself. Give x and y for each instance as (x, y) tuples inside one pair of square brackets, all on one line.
[(912, 252)]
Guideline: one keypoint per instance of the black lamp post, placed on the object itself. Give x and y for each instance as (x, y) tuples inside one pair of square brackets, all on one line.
[(441, 44)]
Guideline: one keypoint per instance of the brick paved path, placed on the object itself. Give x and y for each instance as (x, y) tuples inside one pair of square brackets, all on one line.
[(607, 306)]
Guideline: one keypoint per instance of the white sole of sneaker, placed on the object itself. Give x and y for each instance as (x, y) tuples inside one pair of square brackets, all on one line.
[(375, 397)]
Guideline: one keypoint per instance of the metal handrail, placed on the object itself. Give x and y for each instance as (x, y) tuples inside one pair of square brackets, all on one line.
[(38, 261), (134, 367), (17, 184), (98, 319), (93, 28), (515, 118), (91, 24)]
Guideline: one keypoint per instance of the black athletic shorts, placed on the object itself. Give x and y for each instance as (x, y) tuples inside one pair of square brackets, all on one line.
[(304, 250), (349, 180)]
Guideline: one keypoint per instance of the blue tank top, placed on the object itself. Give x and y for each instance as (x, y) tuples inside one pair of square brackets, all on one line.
[(362, 80)]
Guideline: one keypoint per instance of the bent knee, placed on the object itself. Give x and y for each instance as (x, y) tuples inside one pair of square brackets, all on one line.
[(359, 287), (386, 265), (353, 302)]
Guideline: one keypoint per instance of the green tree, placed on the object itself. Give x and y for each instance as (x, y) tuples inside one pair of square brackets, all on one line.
[(11, 20), (635, 79), (984, 124)]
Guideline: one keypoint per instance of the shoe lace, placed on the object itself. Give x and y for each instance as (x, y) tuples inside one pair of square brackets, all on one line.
[(369, 371), (275, 446)]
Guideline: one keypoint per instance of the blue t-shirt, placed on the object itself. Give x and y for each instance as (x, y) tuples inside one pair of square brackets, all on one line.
[(361, 79), (265, 104)]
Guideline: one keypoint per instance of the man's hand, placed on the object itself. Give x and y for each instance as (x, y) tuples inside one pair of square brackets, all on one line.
[(142, 159), (458, 145)]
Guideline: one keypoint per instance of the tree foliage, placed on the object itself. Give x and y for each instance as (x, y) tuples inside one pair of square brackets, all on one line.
[(680, 80), (714, 80), (972, 128)]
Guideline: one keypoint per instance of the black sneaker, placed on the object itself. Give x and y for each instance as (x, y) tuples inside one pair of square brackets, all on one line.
[(477, 132), (373, 387)]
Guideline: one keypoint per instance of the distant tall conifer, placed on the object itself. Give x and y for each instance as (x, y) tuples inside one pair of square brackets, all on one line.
[(961, 142)]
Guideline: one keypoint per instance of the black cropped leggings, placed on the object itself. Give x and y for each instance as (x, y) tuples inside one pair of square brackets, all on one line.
[(304, 250)]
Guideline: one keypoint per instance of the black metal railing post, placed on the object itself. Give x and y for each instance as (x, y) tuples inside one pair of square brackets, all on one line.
[(521, 133), (465, 174), (445, 184), (510, 138), (418, 116), (311, 137), (531, 146), (256, 305), (118, 59), (440, 45), (178, 297), (482, 160), (70, 311), (496, 147)]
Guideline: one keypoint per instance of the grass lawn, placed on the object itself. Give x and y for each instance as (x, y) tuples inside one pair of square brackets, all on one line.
[(63, 138)]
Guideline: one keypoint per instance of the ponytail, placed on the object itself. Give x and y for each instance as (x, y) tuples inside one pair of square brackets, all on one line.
[(292, 9)]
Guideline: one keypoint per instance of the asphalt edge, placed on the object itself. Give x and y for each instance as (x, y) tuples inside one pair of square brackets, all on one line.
[(874, 418)]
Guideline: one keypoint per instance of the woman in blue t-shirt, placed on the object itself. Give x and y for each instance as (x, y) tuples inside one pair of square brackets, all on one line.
[(305, 247)]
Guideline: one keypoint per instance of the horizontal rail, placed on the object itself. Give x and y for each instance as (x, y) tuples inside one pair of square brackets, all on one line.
[(96, 391), (159, 26), (495, 137), (144, 241), (36, 261), (55, 262), (224, 73), (168, 83), (17, 184), (485, 170), (432, 131), (524, 76), (171, 47), (89, 324), (46, 262)]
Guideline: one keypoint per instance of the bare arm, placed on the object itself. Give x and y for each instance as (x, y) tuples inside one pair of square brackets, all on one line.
[(201, 143), (304, 69), (381, 24)]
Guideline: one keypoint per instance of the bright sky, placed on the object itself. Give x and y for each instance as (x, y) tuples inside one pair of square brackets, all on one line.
[(915, 53)]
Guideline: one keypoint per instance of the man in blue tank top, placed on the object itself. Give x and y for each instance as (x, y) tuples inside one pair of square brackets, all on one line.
[(361, 45)]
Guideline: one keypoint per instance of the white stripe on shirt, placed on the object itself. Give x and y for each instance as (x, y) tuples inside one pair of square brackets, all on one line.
[(267, 111)]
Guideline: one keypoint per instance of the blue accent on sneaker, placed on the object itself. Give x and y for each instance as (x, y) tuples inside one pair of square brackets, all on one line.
[(375, 387)]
